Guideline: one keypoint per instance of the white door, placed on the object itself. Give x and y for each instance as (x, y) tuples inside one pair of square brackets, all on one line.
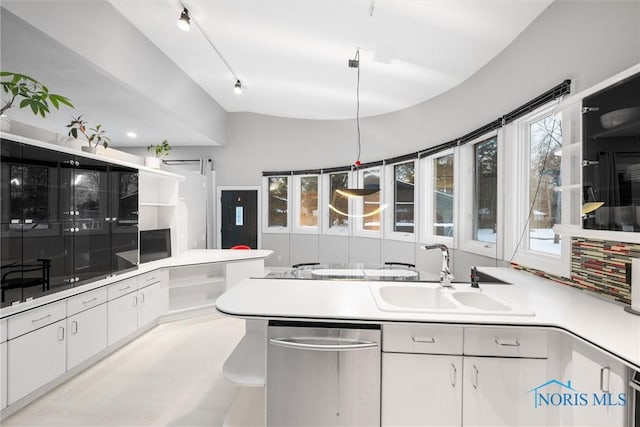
[(122, 317), (35, 359), (87, 334), (495, 391), (421, 390), (592, 372)]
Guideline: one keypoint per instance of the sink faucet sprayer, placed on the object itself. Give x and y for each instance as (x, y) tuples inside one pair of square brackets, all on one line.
[(445, 274)]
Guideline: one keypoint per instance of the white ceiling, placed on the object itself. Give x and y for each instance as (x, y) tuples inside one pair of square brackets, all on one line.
[(292, 55), (126, 61)]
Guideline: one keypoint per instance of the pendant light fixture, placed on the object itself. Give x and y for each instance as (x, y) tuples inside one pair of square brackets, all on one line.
[(184, 21), (357, 192)]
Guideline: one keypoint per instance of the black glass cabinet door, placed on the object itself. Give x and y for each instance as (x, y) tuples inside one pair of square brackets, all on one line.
[(123, 202), (43, 198), (90, 185), (123, 194), (11, 179), (48, 254), (92, 249), (124, 246)]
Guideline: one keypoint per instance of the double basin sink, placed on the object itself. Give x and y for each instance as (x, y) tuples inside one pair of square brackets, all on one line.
[(433, 298)]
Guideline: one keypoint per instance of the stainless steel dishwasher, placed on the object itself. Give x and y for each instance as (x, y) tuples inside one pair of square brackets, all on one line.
[(321, 374)]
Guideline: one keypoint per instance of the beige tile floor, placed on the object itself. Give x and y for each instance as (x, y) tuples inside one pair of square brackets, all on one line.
[(171, 376)]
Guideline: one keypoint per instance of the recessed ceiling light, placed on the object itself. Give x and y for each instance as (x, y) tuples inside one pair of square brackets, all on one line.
[(132, 134)]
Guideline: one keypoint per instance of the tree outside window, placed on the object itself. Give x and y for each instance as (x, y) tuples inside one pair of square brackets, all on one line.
[(486, 191), (278, 201), (545, 139)]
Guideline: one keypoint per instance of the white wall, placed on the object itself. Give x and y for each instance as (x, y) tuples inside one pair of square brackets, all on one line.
[(586, 41)]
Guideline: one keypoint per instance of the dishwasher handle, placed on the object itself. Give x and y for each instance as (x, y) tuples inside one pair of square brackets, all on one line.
[(299, 344)]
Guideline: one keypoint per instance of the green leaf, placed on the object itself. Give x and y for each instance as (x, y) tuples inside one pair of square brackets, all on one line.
[(54, 102), (34, 106), (24, 103), (74, 133)]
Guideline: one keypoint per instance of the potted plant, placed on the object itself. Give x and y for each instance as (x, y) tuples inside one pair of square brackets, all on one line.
[(160, 150), (33, 94), (94, 136)]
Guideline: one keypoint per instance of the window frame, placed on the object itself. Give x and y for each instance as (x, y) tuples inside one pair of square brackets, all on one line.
[(389, 217), (358, 207), (297, 207), (426, 202), (326, 199), (265, 200), (519, 154), (466, 175)]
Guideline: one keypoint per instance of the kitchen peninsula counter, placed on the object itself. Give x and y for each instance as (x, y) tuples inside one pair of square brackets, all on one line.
[(599, 322)]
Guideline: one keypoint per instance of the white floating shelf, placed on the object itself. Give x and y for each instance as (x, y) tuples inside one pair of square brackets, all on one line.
[(246, 365)]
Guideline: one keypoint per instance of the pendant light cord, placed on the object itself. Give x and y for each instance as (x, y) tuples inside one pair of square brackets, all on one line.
[(357, 57)]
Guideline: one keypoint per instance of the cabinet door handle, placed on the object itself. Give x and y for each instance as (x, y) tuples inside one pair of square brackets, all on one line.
[(604, 384), (90, 301), (74, 327), (453, 373), (422, 340), (142, 297), (40, 319), (507, 342), (475, 377), (124, 289), (60, 333), (135, 301)]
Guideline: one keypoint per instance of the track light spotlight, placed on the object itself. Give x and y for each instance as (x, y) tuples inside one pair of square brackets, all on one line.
[(184, 22), (237, 88)]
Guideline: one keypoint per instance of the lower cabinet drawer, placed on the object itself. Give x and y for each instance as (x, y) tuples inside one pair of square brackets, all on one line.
[(507, 342), (31, 320), (124, 287), (86, 301), (427, 339)]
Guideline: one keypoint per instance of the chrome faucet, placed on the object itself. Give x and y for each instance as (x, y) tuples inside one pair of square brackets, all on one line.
[(445, 274)]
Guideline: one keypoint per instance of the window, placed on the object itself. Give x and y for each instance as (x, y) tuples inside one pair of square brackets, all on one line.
[(404, 197), (485, 194), (443, 196), (306, 203), (371, 203), (338, 216), (545, 139), (278, 200)]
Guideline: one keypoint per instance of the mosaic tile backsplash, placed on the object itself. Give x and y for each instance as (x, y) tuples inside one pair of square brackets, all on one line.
[(597, 266)]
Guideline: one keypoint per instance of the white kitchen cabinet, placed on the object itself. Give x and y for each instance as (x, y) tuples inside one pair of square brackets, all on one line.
[(421, 390), (122, 317), (496, 391), (36, 358), (594, 373), (86, 334), (153, 302), (3, 375)]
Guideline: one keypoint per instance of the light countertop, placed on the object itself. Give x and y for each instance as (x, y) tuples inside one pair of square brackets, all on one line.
[(190, 257), (600, 322)]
